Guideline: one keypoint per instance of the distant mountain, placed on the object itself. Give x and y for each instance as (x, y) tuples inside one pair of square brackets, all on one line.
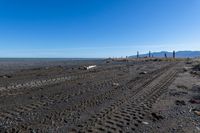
[(179, 54)]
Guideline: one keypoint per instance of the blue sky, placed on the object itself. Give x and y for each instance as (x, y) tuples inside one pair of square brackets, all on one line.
[(97, 28)]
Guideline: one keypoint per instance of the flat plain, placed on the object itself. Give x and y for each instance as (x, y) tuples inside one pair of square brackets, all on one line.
[(115, 97)]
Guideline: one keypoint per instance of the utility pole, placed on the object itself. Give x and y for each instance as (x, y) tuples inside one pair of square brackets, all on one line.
[(149, 54), (137, 54), (165, 55), (174, 54)]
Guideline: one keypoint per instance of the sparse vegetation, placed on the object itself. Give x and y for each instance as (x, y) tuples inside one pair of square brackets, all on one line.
[(196, 67), (182, 87)]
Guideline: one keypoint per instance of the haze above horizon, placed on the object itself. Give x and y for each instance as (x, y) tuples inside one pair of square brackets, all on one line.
[(97, 28)]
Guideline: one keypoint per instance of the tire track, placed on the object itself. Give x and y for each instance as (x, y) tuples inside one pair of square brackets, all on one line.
[(11, 114), (88, 102), (96, 100), (56, 79), (121, 119), (20, 89)]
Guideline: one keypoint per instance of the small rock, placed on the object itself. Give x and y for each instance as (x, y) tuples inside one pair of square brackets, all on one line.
[(173, 129), (156, 116), (188, 62), (79, 83), (144, 122), (197, 112), (180, 102), (144, 72), (193, 101), (6, 76), (194, 72), (187, 68), (115, 84), (107, 61)]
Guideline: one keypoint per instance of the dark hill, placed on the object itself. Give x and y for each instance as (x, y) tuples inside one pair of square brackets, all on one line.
[(179, 54)]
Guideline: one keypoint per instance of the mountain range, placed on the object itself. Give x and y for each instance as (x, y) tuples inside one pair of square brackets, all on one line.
[(179, 54)]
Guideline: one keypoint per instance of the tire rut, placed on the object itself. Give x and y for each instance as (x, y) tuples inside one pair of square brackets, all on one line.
[(125, 92), (96, 101), (128, 117)]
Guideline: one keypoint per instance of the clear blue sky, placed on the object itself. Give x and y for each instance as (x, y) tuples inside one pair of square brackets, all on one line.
[(97, 28)]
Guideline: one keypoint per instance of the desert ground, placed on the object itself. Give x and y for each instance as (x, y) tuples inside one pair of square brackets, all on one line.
[(117, 96)]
